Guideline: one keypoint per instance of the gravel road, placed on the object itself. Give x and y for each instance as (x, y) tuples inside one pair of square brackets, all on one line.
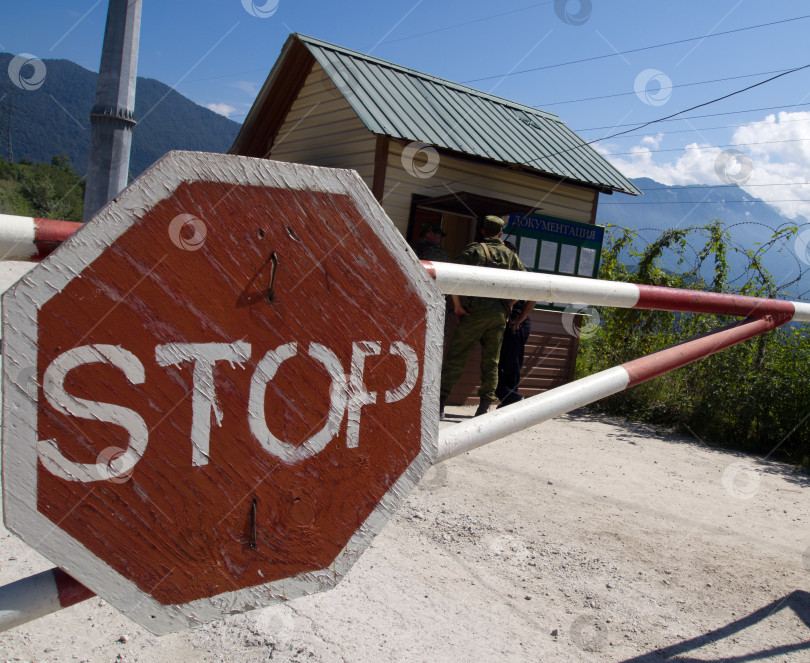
[(582, 539)]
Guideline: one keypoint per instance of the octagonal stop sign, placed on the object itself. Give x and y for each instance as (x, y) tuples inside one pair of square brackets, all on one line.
[(217, 392)]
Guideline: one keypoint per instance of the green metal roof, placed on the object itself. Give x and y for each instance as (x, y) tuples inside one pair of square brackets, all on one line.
[(402, 103)]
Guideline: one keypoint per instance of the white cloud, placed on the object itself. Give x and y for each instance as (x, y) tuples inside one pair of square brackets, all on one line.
[(778, 148), (694, 166), (222, 109), (246, 86), (780, 154), (652, 141)]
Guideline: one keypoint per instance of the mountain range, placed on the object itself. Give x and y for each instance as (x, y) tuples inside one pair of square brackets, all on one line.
[(750, 222), (55, 119)]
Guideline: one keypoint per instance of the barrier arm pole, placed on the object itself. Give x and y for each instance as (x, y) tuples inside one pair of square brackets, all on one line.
[(36, 596), (31, 239), (26, 238), (455, 279), (487, 428), (762, 315)]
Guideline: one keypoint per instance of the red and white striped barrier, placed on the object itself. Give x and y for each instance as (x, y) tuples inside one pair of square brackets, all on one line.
[(27, 238), (763, 316), (506, 284), (37, 596), (479, 431)]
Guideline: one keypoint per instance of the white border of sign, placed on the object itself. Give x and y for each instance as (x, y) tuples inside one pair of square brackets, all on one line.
[(22, 302)]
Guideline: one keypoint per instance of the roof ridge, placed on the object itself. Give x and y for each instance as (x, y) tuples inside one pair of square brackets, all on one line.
[(435, 79)]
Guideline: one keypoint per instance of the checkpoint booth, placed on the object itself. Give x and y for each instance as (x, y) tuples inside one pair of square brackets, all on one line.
[(432, 150)]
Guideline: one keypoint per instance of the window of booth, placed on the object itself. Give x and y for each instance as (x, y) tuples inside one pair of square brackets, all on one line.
[(556, 246)]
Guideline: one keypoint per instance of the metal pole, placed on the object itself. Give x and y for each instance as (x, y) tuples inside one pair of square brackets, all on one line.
[(112, 118), (18, 234), (455, 279), (39, 595)]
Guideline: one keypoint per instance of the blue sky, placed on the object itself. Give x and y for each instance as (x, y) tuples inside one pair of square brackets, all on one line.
[(218, 53)]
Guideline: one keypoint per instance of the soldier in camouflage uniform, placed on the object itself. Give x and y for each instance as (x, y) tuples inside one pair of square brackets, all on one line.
[(428, 246), (481, 319)]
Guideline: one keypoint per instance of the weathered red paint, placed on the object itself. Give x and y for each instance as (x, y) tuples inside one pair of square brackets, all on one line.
[(697, 301), (49, 234), (428, 265), (70, 590), (658, 363), (182, 533)]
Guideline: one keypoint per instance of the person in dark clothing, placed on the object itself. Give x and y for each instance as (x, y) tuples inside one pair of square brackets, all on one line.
[(429, 244), (510, 363)]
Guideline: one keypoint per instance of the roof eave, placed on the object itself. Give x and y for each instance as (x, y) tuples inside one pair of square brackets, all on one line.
[(247, 140)]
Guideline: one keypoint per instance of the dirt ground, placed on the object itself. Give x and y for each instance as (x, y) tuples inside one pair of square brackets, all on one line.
[(581, 539)]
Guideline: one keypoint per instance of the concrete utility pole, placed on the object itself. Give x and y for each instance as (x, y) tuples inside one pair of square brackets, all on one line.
[(112, 118)]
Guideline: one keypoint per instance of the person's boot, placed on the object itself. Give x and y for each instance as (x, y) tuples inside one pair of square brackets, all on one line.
[(442, 403), (509, 400), (483, 407)]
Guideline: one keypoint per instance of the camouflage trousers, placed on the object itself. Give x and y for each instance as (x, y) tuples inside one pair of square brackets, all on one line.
[(485, 327)]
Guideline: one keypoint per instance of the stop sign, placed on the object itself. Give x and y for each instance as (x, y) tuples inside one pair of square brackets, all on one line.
[(217, 392)]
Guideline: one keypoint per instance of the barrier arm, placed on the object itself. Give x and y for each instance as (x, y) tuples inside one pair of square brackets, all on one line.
[(455, 279), (36, 596), (762, 315), (473, 433), (30, 239)]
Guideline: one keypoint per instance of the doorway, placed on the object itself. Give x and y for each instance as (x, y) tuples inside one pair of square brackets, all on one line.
[(459, 215)]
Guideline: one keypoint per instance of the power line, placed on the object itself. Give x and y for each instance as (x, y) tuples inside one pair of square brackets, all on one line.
[(697, 117), (701, 129), (477, 20), (236, 73), (667, 117), (706, 147), (637, 50), (391, 41), (720, 186), (705, 103), (671, 87)]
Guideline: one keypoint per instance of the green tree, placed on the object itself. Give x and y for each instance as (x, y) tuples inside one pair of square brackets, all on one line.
[(50, 191)]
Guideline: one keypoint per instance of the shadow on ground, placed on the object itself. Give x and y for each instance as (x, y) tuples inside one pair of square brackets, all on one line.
[(798, 601), (635, 433)]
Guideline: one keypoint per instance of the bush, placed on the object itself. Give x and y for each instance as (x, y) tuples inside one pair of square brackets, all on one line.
[(753, 397)]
